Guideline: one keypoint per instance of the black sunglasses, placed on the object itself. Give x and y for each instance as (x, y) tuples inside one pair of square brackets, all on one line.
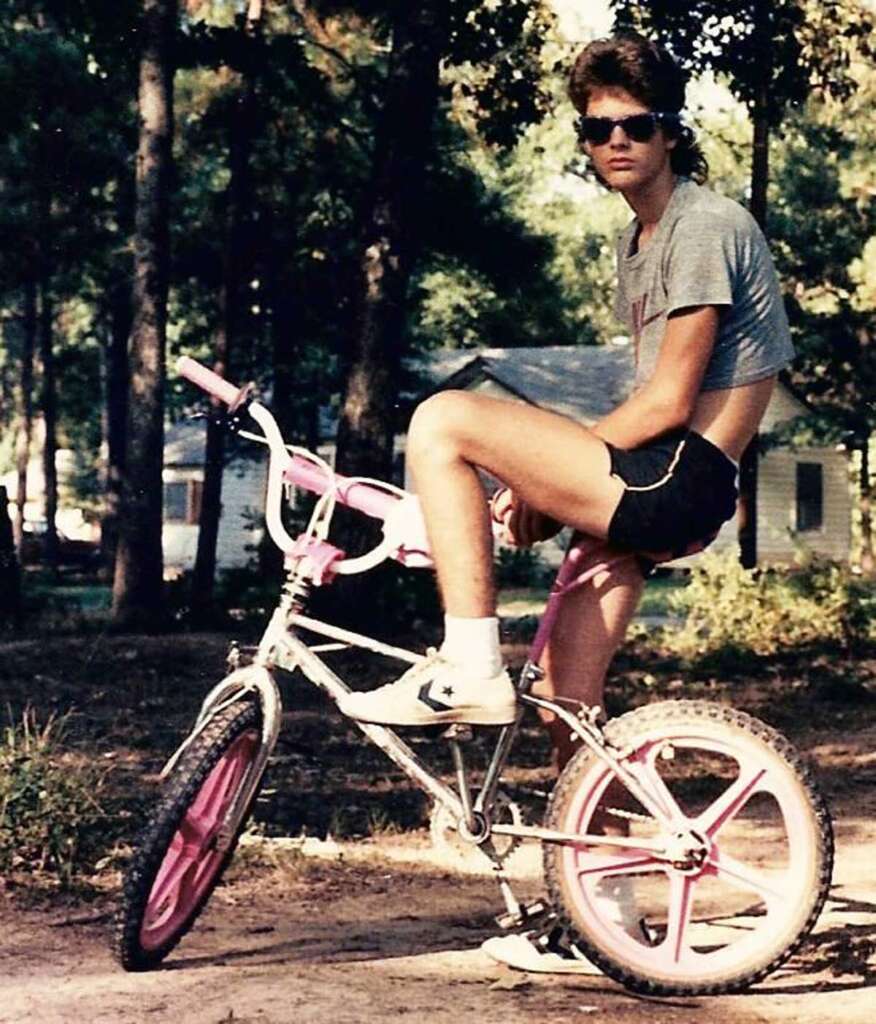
[(637, 127)]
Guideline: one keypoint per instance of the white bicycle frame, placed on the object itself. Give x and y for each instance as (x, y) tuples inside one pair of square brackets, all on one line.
[(282, 647)]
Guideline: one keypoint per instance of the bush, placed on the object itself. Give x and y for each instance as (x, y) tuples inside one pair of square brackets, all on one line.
[(764, 610), (521, 567), (50, 814)]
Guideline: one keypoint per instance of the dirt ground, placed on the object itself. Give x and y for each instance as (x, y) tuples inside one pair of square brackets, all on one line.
[(381, 926)]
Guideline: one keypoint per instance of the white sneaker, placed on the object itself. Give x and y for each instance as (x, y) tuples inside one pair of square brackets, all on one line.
[(532, 953), (433, 692)]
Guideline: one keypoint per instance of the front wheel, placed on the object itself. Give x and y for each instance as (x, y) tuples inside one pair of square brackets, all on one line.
[(727, 887), (182, 852)]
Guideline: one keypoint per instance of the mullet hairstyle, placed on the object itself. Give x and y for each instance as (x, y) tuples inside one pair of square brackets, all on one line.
[(648, 72)]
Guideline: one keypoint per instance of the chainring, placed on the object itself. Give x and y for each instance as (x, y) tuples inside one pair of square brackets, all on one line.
[(446, 837)]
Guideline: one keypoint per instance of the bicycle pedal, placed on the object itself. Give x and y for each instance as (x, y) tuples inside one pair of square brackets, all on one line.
[(458, 733), (525, 915)]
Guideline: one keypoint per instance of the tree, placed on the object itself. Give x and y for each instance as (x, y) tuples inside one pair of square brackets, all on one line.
[(774, 53), (505, 96), (137, 585), (826, 164), (238, 263)]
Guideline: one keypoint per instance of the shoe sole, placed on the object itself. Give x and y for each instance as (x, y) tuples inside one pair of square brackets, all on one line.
[(525, 957), (456, 716)]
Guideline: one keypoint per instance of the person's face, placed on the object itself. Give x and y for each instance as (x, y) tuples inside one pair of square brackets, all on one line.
[(627, 165)]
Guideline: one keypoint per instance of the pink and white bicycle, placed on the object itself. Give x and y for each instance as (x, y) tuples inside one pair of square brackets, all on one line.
[(720, 857)]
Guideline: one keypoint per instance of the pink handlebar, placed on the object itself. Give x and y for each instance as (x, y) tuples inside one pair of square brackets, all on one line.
[(312, 477), (360, 496), (206, 379)]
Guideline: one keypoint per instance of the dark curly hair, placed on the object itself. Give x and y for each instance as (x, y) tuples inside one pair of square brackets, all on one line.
[(649, 73)]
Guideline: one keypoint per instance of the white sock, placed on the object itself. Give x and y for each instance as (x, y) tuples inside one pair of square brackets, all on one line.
[(473, 643)]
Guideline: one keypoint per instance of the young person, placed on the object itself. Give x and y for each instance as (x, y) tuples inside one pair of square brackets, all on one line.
[(699, 295)]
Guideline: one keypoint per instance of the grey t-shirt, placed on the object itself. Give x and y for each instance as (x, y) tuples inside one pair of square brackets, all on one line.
[(706, 251)]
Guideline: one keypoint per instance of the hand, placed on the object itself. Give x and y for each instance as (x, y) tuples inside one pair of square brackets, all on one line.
[(520, 524)]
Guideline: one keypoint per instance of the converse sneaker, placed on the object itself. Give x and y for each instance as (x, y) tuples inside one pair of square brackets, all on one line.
[(538, 954), (433, 692), (547, 949)]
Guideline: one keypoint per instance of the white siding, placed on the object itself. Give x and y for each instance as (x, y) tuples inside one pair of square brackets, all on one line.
[(243, 493), (777, 540)]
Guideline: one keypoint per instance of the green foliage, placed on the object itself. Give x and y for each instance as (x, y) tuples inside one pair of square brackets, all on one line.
[(728, 608), (521, 567), (52, 824), (779, 51)]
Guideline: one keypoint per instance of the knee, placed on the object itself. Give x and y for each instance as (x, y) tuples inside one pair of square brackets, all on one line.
[(439, 423)]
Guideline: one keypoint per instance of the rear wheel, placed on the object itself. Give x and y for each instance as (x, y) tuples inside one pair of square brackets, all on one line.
[(750, 851), (182, 852)]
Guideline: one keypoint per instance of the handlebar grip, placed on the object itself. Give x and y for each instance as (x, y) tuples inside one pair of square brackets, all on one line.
[(206, 379)]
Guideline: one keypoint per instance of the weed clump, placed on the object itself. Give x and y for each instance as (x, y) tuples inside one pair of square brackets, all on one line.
[(52, 823)]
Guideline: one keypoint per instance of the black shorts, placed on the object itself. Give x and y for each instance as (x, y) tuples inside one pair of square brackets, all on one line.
[(678, 491)]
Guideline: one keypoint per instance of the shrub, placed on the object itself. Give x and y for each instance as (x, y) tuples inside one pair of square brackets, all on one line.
[(763, 610), (521, 567), (50, 811)]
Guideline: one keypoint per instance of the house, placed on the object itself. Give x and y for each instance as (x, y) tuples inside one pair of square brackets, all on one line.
[(243, 492), (803, 495)]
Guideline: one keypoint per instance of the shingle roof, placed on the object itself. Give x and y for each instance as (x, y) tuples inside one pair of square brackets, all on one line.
[(582, 381)]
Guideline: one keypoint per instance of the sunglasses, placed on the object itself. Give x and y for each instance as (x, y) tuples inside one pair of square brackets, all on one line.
[(637, 127)]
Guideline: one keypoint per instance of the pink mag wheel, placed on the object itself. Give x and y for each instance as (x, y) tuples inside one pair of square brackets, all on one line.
[(749, 851), (192, 859)]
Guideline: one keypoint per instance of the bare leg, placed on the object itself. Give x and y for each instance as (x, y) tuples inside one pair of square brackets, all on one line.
[(554, 464), (590, 626)]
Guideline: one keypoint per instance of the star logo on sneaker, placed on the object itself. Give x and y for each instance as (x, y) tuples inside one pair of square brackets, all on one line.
[(430, 702), (448, 691)]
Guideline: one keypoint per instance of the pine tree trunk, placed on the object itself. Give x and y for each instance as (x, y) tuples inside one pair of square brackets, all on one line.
[(116, 410), (748, 466), (388, 248), (868, 559), (50, 420), (137, 585), (25, 433), (237, 262), (10, 579), (390, 238)]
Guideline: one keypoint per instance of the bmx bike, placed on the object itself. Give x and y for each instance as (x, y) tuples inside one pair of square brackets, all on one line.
[(670, 901)]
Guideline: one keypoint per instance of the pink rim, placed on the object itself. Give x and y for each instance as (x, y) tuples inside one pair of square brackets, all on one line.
[(776, 891), (192, 860)]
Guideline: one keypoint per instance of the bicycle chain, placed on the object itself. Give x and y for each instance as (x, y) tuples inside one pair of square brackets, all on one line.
[(618, 812)]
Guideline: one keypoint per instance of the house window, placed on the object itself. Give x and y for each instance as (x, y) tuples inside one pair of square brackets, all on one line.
[(810, 496), (182, 501)]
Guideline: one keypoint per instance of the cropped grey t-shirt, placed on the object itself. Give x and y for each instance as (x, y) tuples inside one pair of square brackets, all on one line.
[(707, 251)]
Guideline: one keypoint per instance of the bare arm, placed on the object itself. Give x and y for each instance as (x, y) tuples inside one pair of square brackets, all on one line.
[(665, 403), (668, 400)]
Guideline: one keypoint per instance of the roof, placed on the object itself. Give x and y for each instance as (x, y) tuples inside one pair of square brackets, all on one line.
[(185, 445), (582, 381)]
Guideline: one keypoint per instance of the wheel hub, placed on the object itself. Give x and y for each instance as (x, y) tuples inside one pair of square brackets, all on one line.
[(687, 851)]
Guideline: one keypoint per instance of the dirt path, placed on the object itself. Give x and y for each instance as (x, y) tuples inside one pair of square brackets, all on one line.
[(364, 937)]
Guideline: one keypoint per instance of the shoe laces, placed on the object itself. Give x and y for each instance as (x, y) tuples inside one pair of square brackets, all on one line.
[(415, 672)]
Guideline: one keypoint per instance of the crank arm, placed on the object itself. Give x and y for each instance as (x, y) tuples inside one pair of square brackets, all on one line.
[(547, 835)]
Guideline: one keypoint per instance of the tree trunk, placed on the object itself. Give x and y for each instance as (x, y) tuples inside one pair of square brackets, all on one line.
[(389, 244), (25, 433), (116, 411), (237, 262), (868, 561), (137, 585), (10, 580), (50, 419), (390, 237), (748, 466)]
